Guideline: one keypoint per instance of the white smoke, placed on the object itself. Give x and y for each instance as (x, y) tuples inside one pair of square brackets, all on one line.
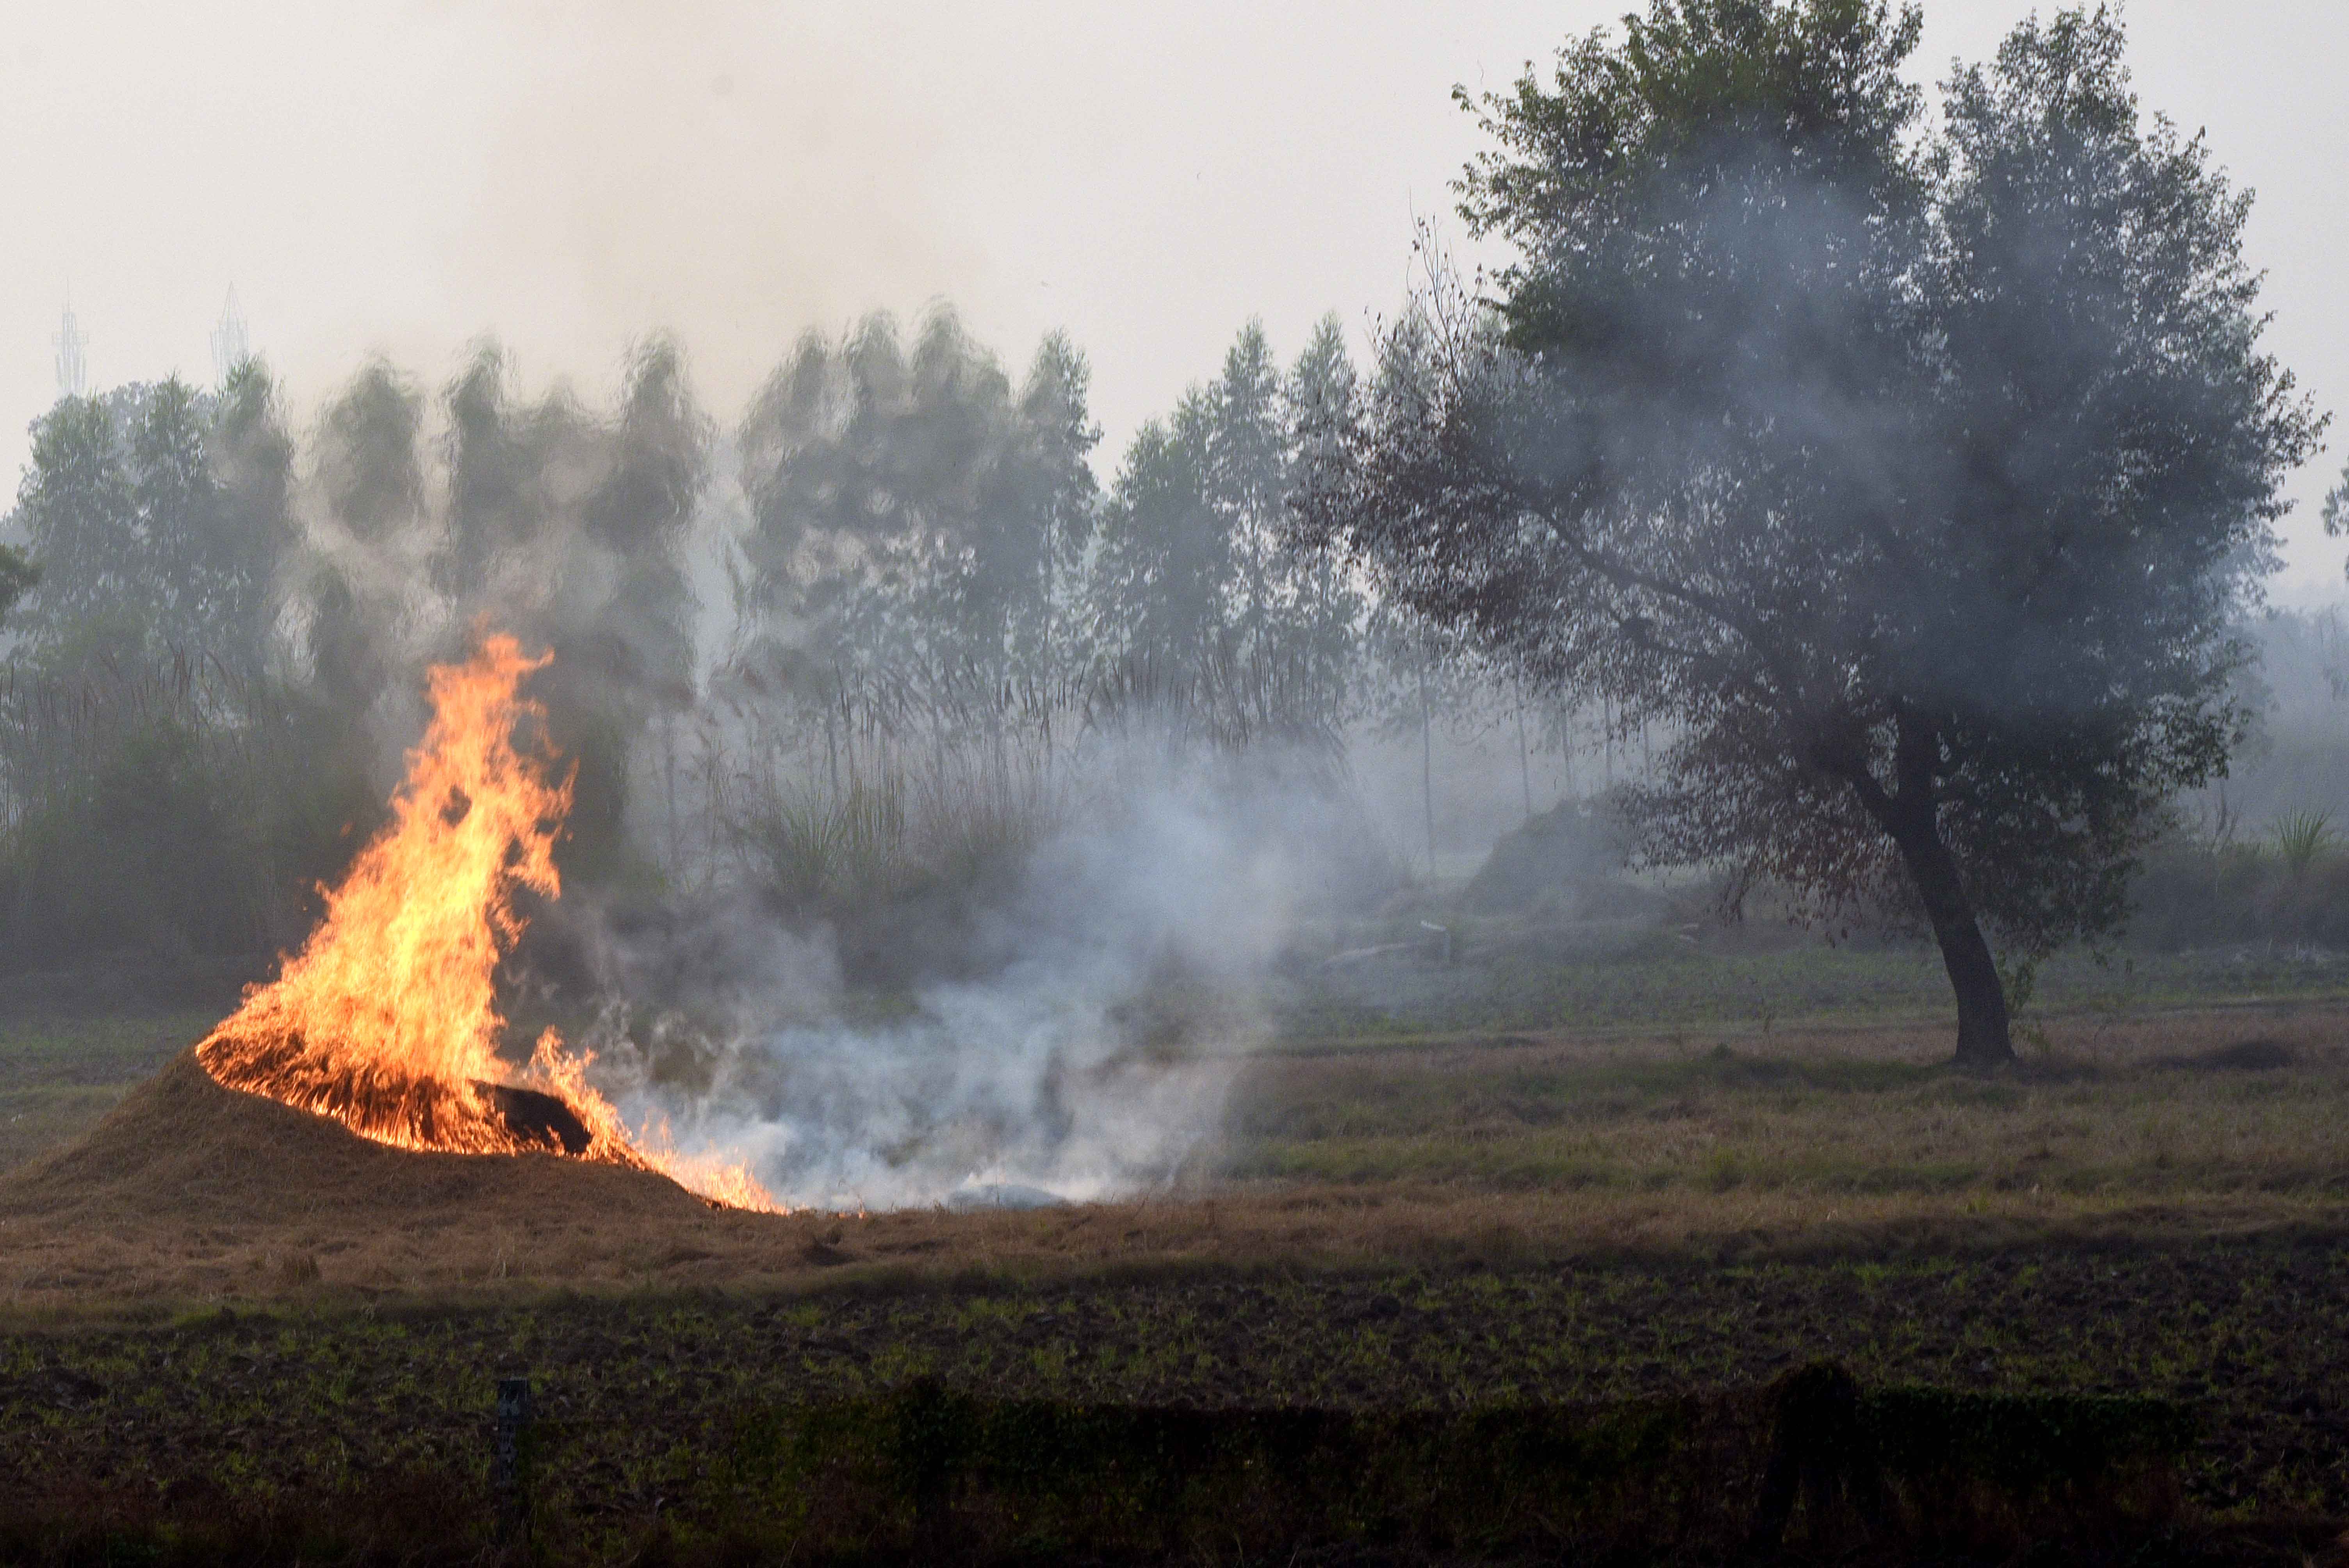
[(1094, 1063)]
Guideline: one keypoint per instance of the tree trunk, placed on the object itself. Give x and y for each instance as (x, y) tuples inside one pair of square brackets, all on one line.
[(1913, 820), (1427, 766), (1983, 1040), (1525, 763)]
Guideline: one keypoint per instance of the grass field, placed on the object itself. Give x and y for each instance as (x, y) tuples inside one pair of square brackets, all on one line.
[(61, 1070), (2155, 1201), (2164, 1107), (1506, 979)]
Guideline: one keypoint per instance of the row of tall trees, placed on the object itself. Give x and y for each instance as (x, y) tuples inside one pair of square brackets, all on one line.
[(222, 613), (157, 515), (220, 627), (916, 520)]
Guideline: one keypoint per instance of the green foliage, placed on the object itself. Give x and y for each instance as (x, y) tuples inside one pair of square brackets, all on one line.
[(75, 507), (1152, 1482), (159, 813), (817, 852), (2018, 977), (1571, 854), (2258, 935), (370, 465), (196, 706), (369, 459), (150, 862), (166, 793), (2030, 1443), (926, 1473), (2292, 892), (916, 599), (159, 515), (895, 862), (249, 456), (2336, 507), (908, 655)]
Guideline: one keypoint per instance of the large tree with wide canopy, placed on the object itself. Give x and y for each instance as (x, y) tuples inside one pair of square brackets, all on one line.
[(1912, 475)]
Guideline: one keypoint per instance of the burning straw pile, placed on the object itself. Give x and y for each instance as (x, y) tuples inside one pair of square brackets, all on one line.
[(387, 1020)]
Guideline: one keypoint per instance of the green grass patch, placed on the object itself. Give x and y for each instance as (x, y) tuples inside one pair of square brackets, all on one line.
[(1666, 986), (61, 1072), (91, 1048), (924, 1471), (642, 1394)]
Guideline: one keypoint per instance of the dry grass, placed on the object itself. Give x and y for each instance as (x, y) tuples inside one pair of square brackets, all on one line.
[(1501, 1153), (2197, 1106)]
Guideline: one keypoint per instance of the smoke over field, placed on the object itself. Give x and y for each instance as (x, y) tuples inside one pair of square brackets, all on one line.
[(1090, 1059), (951, 805), (944, 823)]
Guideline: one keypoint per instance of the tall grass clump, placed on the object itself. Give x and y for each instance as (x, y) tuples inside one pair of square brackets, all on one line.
[(819, 848), (2289, 887), (2301, 838)]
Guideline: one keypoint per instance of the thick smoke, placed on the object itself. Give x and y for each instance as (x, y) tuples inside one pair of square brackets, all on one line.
[(1133, 958)]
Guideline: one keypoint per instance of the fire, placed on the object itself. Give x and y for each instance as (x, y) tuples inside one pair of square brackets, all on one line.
[(387, 1021)]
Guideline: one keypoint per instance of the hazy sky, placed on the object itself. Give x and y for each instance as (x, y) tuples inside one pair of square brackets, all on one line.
[(408, 177)]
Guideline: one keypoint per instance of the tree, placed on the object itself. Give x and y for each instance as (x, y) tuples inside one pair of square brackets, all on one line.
[(622, 633), (566, 528), (1195, 581), (915, 516), (1036, 519), (142, 771), (1914, 480), (76, 508), (176, 516), (159, 515), (512, 470), (17, 576), (2336, 507), (251, 458), (370, 476), (1323, 620), (1160, 575)]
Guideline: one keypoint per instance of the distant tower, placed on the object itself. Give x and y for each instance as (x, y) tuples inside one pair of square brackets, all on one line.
[(73, 372), (230, 346)]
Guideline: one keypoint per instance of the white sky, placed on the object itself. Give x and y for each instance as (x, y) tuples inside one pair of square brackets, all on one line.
[(567, 175)]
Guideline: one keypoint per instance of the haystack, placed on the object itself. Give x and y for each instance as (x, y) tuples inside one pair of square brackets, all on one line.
[(188, 1186)]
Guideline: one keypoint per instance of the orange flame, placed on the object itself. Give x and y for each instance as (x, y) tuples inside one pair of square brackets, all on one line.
[(387, 1021)]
